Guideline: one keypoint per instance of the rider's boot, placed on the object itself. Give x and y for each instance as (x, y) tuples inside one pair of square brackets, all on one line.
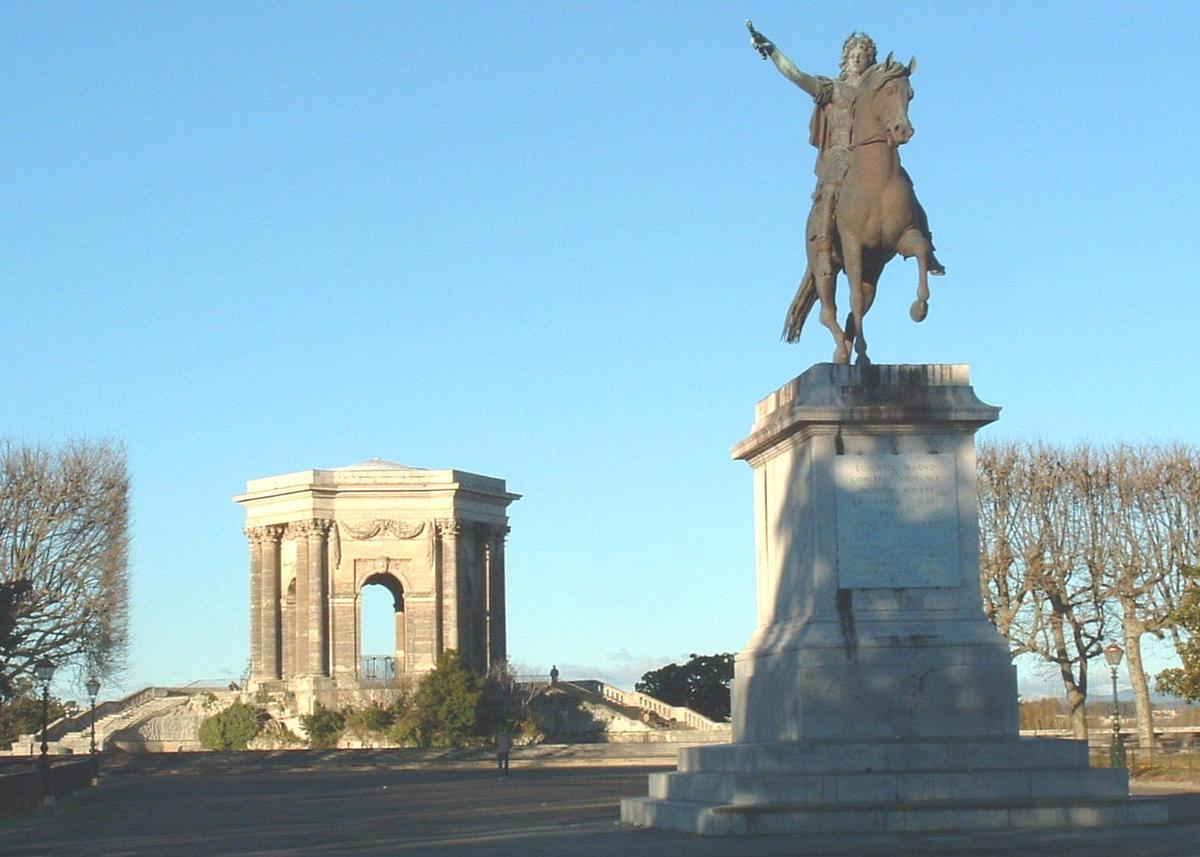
[(932, 265)]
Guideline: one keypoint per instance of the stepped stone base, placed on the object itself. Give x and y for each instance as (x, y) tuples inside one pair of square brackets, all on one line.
[(888, 785)]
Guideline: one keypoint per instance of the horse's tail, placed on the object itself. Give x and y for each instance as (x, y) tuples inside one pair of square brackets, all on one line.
[(802, 303)]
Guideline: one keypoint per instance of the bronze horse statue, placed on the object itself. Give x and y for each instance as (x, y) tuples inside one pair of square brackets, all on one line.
[(876, 215)]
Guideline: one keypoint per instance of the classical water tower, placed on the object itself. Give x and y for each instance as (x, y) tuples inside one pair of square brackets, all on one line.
[(433, 538)]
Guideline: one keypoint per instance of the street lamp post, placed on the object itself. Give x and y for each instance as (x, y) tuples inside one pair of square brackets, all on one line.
[(93, 688), (43, 670), (1116, 751)]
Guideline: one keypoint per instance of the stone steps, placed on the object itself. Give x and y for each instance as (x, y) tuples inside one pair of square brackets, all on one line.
[(959, 754), (80, 741), (884, 785), (793, 818), (894, 786)]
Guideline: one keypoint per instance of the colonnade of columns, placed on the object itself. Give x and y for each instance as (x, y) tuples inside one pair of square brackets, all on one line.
[(474, 624), (471, 584), (309, 631)]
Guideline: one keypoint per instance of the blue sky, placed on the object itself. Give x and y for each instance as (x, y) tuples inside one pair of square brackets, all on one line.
[(554, 242)]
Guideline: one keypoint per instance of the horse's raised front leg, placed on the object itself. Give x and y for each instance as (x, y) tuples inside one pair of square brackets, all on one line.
[(913, 243)]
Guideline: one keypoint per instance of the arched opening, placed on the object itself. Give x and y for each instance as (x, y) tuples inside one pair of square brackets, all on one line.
[(381, 629)]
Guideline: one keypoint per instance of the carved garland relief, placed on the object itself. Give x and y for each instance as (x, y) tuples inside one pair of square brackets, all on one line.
[(372, 529)]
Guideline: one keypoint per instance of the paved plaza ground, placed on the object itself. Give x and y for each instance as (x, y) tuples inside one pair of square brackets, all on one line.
[(399, 802)]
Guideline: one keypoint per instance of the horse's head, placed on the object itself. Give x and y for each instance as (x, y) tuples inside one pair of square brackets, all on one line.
[(883, 98)]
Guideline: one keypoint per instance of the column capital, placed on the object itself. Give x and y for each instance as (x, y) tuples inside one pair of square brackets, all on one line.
[(320, 527), (269, 533), (449, 527), (307, 528)]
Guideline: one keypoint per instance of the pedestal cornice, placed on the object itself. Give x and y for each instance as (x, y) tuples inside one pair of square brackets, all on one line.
[(827, 395)]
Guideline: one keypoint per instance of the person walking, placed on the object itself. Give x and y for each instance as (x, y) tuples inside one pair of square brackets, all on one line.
[(503, 748)]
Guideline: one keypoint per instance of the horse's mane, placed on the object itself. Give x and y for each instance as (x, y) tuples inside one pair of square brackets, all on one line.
[(880, 73)]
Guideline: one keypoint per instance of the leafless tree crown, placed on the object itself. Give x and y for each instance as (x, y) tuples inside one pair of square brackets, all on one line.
[(1080, 545), (64, 518)]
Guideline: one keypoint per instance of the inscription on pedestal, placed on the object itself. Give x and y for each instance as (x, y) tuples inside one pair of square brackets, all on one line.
[(897, 521)]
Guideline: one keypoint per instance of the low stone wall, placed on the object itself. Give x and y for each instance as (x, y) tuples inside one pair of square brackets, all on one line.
[(128, 746), (21, 786), (672, 736)]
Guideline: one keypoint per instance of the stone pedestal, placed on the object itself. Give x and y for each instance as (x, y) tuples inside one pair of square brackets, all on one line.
[(874, 693)]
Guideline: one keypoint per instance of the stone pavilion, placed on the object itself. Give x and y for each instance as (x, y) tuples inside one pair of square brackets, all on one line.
[(433, 538)]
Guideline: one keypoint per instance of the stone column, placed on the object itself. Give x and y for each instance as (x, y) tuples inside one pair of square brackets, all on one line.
[(317, 656), (421, 623), (297, 532), (449, 531), (497, 645), (254, 535), (287, 651), (401, 631), (343, 636), (343, 606), (270, 620)]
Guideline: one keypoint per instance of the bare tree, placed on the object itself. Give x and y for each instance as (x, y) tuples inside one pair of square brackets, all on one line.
[(1154, 509), (1038, 563), (1003, 498), (64, 551), (1078, 542)]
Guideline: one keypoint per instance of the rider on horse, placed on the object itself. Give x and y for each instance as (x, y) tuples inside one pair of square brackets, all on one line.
[(829, 132)]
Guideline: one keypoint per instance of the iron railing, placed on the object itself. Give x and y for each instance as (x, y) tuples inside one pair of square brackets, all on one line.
[(378, 669), (1139, 761)]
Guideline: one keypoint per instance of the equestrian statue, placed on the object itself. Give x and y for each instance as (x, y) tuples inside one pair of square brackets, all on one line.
[(864, 209)]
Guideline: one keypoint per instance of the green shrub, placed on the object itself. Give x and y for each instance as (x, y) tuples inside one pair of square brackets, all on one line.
[(373, 720), (324, 726), (445, 709), (233, 728), (409, 731)]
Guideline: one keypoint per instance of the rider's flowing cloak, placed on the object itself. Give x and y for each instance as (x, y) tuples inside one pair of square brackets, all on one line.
[(818, 136), (818, 125)]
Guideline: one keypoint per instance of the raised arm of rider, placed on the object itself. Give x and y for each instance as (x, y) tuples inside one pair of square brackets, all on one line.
[(788, 69)]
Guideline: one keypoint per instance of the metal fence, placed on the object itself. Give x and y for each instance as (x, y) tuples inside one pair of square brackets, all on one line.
[(1139, 761), (378, 669)]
